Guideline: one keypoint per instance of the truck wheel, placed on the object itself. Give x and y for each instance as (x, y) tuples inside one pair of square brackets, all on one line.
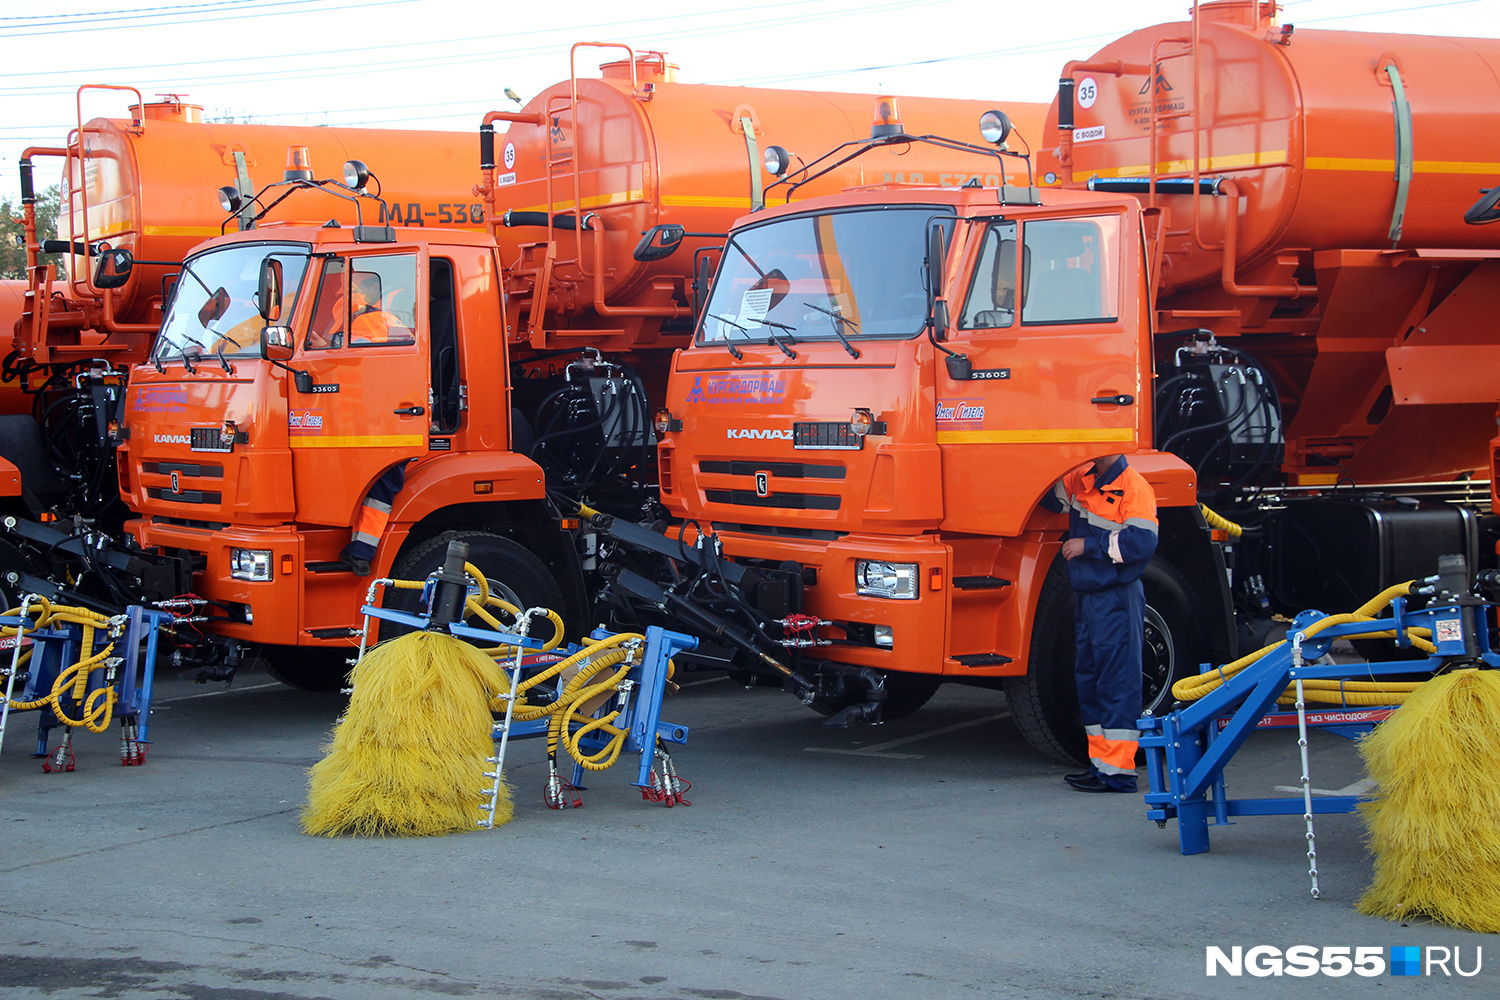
[(513, 573), (1045, 701), (309, 669)]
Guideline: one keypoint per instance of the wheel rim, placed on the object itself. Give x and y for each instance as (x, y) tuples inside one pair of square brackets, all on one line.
[(1158, 663)]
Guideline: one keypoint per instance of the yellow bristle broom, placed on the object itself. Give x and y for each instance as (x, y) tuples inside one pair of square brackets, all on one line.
[(409, 754), (1434, 824)]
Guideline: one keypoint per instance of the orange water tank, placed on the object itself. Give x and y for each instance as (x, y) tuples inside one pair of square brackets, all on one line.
[(636, 148), (12, 399), (150, 184), (1333, 138)]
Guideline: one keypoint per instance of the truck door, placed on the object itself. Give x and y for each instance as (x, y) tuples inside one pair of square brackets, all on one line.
[(368, 357), (1056, 366)]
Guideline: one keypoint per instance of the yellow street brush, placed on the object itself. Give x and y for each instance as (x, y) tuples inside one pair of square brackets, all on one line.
[(1434, 824), (408, 756)]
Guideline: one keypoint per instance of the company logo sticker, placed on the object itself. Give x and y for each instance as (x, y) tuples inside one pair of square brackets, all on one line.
[(304, 422), (719, 389), (959, 413), (762, 484), (170, 439), (161, 399)]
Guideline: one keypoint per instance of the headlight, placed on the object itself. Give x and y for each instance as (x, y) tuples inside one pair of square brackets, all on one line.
[(885, 579), (250, 564)]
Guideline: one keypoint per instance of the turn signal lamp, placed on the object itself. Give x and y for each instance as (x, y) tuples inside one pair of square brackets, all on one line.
[(887, 118), (298, 164), (862, 421), (663, 421)]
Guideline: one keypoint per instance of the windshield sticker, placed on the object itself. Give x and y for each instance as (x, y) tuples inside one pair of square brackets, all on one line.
[(959, 413), (306, 422), (164, 399), (715, 389), (754, 306)]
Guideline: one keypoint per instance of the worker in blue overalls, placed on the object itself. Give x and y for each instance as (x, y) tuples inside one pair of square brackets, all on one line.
[(1112, 533)]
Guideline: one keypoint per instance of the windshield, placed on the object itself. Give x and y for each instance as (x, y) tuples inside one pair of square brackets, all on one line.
[(855, 273), (213, 310)]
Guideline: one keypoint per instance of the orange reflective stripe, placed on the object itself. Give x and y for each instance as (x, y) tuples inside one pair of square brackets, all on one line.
[(372, 520), (1112, 756)]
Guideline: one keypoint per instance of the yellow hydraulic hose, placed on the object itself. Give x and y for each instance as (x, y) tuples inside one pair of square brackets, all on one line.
[(569, 721), (1217, 521), (1333, 692)]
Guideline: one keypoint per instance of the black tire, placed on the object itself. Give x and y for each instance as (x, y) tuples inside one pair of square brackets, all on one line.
[(1044, 702), (513, 573), (309, 669)]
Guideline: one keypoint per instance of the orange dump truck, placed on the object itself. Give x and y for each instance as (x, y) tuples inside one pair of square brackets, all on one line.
[(1244, 263), (507, 364)]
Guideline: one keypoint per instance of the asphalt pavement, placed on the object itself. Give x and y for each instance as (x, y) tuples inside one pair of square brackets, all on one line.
[(935, 856)]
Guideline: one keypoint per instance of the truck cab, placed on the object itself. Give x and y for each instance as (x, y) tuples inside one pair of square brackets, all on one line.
[(295, 367), (883, 387)]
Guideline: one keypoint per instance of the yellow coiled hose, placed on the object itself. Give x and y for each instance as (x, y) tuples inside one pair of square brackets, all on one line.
[(1334, 692), (569, 722), (96, 709)]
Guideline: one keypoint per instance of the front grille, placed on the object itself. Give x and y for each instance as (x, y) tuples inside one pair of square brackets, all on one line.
[(208, 439), (826, 436), (185, 496), (183, 522), (781, 470), (200, 470), (788, 501)]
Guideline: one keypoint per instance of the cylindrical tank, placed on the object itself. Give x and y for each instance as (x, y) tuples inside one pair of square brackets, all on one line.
[(12, 302), (153, 188), (652, 151), (1306, 125)]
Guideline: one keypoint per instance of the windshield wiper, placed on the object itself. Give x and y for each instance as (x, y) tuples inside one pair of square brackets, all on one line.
[(738, 354), (773, 325), (839, 318)]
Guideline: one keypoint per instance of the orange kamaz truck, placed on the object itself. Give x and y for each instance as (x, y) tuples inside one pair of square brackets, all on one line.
[(493, 370), (1244, 262)]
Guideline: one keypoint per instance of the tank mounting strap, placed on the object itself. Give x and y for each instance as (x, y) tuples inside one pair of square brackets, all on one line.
[(1402, 110), (757, 191)]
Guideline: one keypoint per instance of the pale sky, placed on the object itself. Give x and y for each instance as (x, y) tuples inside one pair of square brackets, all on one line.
[(441, 64)]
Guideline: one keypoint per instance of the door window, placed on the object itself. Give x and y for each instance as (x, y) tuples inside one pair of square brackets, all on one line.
[(372, 304), (1071, 271), (992, 292)]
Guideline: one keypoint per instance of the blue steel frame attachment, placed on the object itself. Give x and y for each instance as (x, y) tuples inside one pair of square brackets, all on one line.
[(131, 672), (638, 699), (1188, 749)]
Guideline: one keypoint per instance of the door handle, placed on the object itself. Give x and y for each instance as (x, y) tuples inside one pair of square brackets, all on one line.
[(1121, 400), (408, 411)]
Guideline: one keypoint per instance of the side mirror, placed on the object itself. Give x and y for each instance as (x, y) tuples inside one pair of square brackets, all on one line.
[(659, 242), (777, 282), (936, 251), (276, 343), (215, 306), (268, 292), (113, 269)]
